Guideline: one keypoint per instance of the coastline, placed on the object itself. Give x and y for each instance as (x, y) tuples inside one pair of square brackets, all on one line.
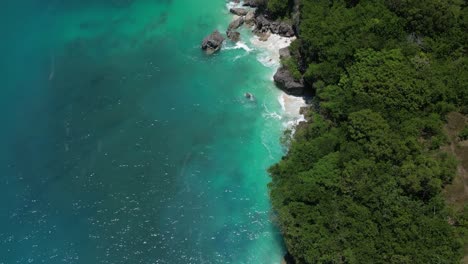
[(339, 163), (269, 57)]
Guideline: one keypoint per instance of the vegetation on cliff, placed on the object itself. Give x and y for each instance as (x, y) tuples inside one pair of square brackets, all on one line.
[(363, 182)]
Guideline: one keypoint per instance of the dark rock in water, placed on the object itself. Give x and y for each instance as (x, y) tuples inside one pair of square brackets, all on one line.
[(284, 53), (249, 96), (236, 23), (239, 11), (233, 35), (212, 42), (286, 82)]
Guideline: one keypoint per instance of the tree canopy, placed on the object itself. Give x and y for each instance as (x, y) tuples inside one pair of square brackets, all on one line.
[(362, 181)]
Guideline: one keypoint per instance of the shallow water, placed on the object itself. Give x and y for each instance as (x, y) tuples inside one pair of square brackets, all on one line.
[(124, 143)]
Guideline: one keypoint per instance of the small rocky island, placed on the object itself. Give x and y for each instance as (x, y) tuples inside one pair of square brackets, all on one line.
[(212, 42)]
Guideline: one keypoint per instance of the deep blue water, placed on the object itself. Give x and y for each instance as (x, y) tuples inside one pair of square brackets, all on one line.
[(124, 143)]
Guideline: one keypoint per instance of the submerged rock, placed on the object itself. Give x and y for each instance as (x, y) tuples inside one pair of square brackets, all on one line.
[(236, 23), (212, 42), (233, 35), (239, 11), (249, 96), (286, 82)]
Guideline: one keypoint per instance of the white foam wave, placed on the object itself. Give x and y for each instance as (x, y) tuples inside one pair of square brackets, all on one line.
[(270, 55), (291, 106), (267, 147), (243, 46), (266, 60), (238, 57), (269, 114), (232, 4), (273, 115), (239, 45)]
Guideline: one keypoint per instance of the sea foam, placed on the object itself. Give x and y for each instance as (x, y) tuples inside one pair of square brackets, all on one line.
[(239, 45), (269, 57)]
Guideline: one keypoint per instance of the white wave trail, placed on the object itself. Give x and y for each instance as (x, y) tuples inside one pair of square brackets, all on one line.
[(239, 45)]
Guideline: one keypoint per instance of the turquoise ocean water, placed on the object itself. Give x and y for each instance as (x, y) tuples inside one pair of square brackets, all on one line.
[(123, 143)]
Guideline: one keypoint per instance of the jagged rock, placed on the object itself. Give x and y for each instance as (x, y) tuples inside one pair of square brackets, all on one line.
[(252, 3), (284, 53), (285, 30), (249, 19), (281, 28), (262, 24), (239, 11), (286, 82), (233, 35), (212, 42), (236, 23)]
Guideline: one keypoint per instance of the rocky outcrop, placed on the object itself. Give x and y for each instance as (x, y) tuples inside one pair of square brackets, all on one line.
[(239, 11), (276, 27), (253, 3), (236, 23), (262, 24), (249, 19), (282, 28), (233, 35), (212, 42), (286, 82), (296, 16), (284, 53)]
